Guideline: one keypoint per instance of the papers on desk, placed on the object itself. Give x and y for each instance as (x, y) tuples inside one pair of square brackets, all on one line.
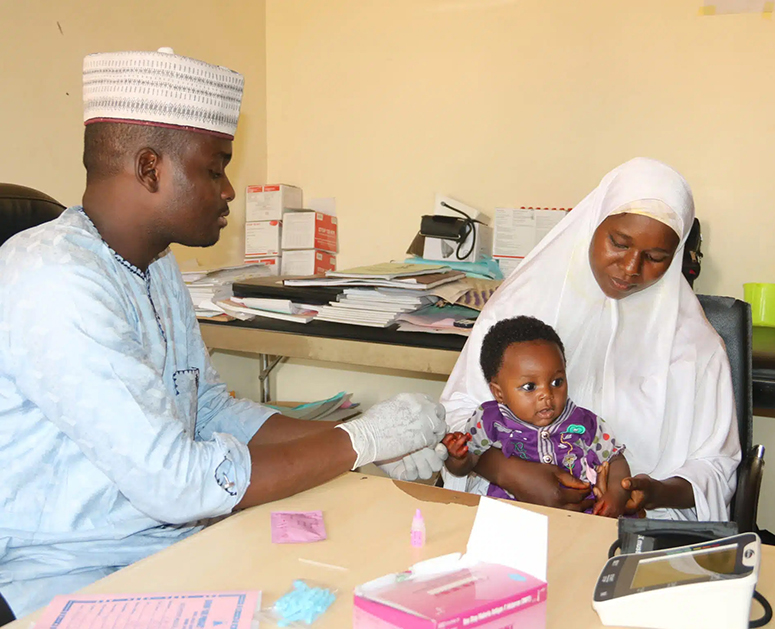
[(204, 610), (437, 320), (209, 286), (336, 408), (420, 280), (244, 309), (389, 271), (373, 307)]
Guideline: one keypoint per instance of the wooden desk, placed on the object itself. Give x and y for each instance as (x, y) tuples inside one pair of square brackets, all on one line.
[(417, 352), (272, 340), (298, 343), (368, 519)]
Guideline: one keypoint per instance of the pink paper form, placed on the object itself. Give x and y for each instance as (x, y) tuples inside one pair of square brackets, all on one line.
[(297, 527), (200, 610)]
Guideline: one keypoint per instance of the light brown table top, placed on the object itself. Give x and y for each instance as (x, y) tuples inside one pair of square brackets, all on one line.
[(368, 519)]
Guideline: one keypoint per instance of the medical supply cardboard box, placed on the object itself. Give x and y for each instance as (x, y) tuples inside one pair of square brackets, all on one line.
[(273, 263), (475, 248), (263, 238), (269, 203), (310, 230), (519, 230), (499, 583), (480, 595), (307, 262)]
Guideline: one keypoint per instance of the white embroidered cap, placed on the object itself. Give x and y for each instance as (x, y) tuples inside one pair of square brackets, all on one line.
[(161, 89)]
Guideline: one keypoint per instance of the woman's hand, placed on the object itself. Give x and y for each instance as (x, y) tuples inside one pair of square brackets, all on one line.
[(672, 493), (644, 491), (536, 483)]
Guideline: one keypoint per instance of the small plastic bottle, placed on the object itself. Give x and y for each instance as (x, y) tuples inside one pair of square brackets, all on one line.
[(418, 530)]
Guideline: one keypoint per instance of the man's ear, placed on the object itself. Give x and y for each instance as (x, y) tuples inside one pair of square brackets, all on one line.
[(496, 391), (147, 169)]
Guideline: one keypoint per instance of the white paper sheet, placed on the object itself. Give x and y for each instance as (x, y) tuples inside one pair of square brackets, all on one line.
[(511, 536)]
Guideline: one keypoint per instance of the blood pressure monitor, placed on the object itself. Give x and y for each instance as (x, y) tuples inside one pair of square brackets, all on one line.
[(708, 586)]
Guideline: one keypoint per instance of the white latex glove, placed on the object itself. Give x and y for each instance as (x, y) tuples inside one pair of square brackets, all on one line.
[(420, 464), (390, 429)]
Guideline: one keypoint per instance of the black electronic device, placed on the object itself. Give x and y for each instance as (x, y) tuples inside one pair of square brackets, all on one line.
[(645, 535)]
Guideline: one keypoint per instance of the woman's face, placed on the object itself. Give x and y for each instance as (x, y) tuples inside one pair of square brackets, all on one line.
[(630, 252)]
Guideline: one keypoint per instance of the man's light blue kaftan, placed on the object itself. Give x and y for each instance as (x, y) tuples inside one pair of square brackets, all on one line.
[(116, 435)]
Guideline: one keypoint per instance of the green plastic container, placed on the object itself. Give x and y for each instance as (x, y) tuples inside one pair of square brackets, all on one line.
[(762, 300)]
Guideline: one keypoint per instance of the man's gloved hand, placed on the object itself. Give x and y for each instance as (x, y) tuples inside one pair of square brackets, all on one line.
[(420, 464), (390, 429)]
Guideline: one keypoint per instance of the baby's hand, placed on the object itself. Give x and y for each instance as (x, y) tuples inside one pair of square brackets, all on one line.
[(456, 444), (610, 501), (611, 504)]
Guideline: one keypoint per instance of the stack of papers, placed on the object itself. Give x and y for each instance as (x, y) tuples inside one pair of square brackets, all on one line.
[(335, 408), (439, 320), (375, 307), (208, 286), (389, 275), (245, 308)]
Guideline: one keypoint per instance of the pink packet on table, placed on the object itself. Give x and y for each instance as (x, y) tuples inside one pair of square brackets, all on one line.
[(297, 527)]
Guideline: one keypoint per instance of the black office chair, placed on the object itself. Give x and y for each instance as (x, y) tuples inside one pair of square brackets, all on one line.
[(22, 208), (731, 318)]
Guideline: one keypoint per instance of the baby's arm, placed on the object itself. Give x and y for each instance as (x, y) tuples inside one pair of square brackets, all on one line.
[(460, 461), (465, 447), (612, 501)]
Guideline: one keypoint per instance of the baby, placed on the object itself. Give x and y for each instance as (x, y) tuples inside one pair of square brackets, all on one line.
[(523, 360)]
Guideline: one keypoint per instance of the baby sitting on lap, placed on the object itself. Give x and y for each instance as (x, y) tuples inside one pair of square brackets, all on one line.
[(523, 360)]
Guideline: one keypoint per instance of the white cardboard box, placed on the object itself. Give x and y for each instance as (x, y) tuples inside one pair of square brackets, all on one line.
[(441, 249), (269, 203), (309, 230), (519, 230), (263, 238), (272, 262), (307, 262)]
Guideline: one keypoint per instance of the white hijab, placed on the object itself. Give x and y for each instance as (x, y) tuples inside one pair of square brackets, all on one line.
[(650, 364)]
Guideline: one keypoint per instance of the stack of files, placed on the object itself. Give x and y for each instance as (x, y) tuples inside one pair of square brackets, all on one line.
[(439, 320), (375, 307), (333, 409), (208, 286), (274, 288), (470, 292), (245, 308), (418, 277)]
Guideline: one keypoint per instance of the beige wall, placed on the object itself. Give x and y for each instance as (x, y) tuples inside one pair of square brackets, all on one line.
[(497, 102), (42, 45), (382, 103)]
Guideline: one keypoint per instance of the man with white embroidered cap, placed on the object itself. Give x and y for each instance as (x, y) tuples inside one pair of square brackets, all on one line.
[(116, 433)]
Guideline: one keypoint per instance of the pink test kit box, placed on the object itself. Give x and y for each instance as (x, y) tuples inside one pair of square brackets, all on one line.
[(485, 596), (499, 583)]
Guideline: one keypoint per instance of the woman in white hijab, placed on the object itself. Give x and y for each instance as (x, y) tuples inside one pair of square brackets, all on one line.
[(640, 352)]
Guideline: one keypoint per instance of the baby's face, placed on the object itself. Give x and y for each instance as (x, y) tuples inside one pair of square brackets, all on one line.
[(531, 382)]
